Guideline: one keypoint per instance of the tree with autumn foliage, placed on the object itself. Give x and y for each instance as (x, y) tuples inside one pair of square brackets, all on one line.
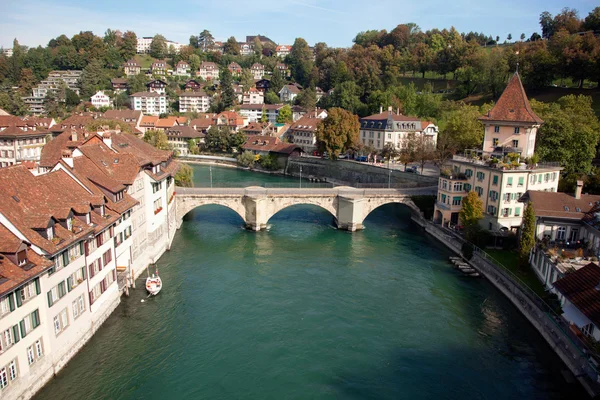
[(470, 215), (338, 132)]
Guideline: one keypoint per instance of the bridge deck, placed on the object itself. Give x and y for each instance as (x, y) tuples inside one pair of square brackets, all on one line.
[(342, 191)]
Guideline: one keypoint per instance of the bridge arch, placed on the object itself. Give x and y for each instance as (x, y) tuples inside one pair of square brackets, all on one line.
[(279, 204), (373, 203), (185, 205)]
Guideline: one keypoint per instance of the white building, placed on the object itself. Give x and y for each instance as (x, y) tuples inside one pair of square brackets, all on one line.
[(208, 70), (253, 96), (21, 141), (100, 100), (258, 71), (149, 103), (254, 112), (194, 101), (288, 93)]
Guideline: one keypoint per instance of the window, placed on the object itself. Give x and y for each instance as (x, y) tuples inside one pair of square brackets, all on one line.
[(493, 195), (8, 338), (518, 212), (521, 181), (495, 142), (35, 351), (107, 257), (515, 143), (56, 293), (456, 201), (480, 176), (517, 131), (505, 212), (496, 129), (506, 197), (509, 182), (29, 323), (495, 180), (7, 304), (468, 172), (479, 190), (467, 187), (61, 322), (157, 205), (491, 210), (8, 373), (457, 186), (28, 291), (561, 233), (95, 267), (78, 307)]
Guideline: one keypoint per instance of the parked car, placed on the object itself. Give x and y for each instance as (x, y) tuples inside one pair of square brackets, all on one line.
[(342, 156), (412, 170), (361, 158)]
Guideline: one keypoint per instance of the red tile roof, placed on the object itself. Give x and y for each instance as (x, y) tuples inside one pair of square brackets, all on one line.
[(306, 124), (269, 144), (513, 105), (579, 287), (395, 117), (559, 204), (148, 121)]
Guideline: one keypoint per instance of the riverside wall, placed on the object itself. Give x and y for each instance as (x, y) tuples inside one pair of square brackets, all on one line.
[(355, 173), (563, 346)]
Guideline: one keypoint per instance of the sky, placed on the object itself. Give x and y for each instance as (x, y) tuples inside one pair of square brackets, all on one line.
[(335, 22)]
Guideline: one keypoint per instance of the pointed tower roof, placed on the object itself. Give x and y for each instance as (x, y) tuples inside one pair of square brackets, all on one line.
[(513, 105)]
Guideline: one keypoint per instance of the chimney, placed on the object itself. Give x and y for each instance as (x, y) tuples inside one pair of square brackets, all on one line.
[(390, 110), (380, 109), (74, 136), (578, 190), (67, 157), (107, 139)]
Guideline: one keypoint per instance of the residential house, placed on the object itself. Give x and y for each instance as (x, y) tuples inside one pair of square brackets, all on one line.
[(254, 112), (320, 93), (119, 85), (101, 100), (302, 133), (182, 68), (132, 117), (282, 69), (253, 96), (193, 86), (580, 298), (268, 145), (157, 86), (203, 122), (163, 124), (246, 49), (208, 70), (234, 68), (218, 47), (288, 93), (143, 44), (55, 81), (179, 137), (230, 119), (132, 68), (258, 71), (197, 101), (298, 112), (150, 103), (497, 179), (283, 50), (263, 85), (564, 224), (258, 128), (388, 127), (20, 141), (159, 68), (238, 90), (148, 122)]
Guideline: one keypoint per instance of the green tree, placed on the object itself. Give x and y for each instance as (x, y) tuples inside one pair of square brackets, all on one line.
[(193, 146), (246, 79), (184, 176), (470, 214), (461, 123), (246, 159), (93, 79), (389, 152), (205, 40), (271, 98), (569, 134), (12, 103), (285, 115), (338, 132), (158, 47), (258, 46), (217, 138), (157, 139), (232, 47), (346, 96), (195, 62), (15, 63), (71, 98), (137, 83), (128, 45), (235, 141), (100, 123), (228, 96), (264, 118), (307, 99), (527, 239), (277, 82), (300, 62)]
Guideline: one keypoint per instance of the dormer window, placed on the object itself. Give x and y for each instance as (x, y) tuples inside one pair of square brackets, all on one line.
[(50, 233), (22, 258), (102, 210)]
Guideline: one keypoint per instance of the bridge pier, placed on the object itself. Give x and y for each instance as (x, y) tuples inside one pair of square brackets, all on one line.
[(254, 202), (350, 212)]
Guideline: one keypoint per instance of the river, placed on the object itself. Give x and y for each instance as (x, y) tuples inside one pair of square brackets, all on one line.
[(306, 311)]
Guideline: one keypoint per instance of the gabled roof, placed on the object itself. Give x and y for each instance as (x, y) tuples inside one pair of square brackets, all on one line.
[(306, 124), (122, 114), (186, 132), (513, 105), (390, 114), (291, 88), (559, 204), (579, 287), (269, 144)]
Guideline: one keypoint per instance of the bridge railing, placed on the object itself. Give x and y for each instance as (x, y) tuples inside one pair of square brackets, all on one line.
[(339, 190)]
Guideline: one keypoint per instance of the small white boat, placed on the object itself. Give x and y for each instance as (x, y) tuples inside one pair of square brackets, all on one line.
[(153, 284)]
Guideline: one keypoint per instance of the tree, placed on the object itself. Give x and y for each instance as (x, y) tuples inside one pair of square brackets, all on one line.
[(307, 99), (246, 79), (271, 98), (231, 46), (285, 115), (264, 118), (158, 47), (424, 151), (509, 37), (569, 134), (184, 176), (193, 146), (389, 152), (547, 24), (408, 148), (461, 123), (12, 103), (592, 21), (71, 98), (137, 83), (236, 141), (205, 40), (470, 214), (346, 95), (93, 79), (194, 61), (522, 37), (100, 123), (217, 138), (338, 132), (157, 139), (258, 46), (228, 96), (300, 62), (128, 45), (527, 239), (277, 82)]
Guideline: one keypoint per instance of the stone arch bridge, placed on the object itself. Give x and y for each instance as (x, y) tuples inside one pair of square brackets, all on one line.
[(256, 205)]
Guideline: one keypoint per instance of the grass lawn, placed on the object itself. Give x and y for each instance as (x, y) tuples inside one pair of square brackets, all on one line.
[(510, 260), (144, 60)]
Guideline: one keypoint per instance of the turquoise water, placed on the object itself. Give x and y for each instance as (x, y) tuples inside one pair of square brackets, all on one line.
[(304, 311)]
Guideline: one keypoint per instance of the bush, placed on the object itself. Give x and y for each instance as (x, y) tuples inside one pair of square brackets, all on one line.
[(184, 176), (246, 159), (269, 162)]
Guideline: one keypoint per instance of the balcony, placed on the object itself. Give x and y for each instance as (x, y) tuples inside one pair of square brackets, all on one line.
[(452, 175)]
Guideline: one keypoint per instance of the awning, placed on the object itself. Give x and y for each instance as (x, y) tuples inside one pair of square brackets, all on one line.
[(573, 315)]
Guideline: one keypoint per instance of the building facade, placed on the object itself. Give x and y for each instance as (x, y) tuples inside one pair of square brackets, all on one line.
[(197, 101), (149, 103)]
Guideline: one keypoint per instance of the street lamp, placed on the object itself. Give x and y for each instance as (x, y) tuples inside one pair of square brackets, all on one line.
[(300, 177)]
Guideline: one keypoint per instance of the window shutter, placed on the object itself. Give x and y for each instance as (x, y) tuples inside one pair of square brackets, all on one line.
[(65, 257), (19, 300), (87, 248), (11, 302), (22, 325), (81, 248), (91, 270), (83, 272), (50, 302), (16, 336), (36, 318), (114, 274), (37, 286), (69, 283)]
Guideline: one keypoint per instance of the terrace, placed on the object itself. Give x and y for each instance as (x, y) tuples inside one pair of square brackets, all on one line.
[(504, 161)]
